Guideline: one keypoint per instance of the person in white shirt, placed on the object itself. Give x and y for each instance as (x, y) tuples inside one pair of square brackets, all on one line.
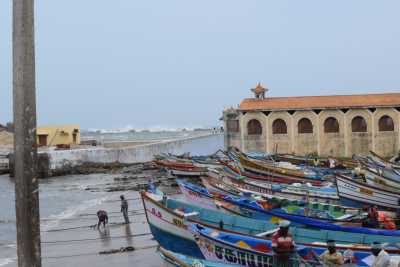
[(382, 258)]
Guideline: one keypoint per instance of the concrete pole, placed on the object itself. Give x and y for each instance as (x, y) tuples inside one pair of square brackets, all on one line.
[(25, 151)]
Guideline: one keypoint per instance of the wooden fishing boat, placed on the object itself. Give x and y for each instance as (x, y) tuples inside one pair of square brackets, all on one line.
[(295, 159), (270, 177), (231, 248), (380, 182), (260, 167), (269, 190), (380, 169), (357, 193), (258, 210), (168, 160), (299, 206), (383, 161), (323, 211), (180, 260), (173, 164), (169, 222), (187, 173)]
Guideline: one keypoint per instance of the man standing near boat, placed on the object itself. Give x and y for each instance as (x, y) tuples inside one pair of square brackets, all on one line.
[(382, 258), (124, 208), (283, 246)]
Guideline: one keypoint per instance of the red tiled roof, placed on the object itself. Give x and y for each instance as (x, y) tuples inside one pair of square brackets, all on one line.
[(321, 102)]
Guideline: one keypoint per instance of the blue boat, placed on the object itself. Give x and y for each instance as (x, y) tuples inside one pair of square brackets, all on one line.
[(231, 248), (253, 209), (169, 221), (181, 260)]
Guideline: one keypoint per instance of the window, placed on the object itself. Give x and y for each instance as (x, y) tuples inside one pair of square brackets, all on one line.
[(305, 126), (358, 125), (331, 125), (42, 139), (386, 124), (254, 127), (232, 126), (279, 127)]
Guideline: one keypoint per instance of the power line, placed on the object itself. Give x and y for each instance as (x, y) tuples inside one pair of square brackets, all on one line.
[(93, 239), (93, 253), (118, 200), (87, 226)]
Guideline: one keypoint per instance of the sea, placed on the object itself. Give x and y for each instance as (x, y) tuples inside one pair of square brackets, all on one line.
[(65, 197), (145, 135)]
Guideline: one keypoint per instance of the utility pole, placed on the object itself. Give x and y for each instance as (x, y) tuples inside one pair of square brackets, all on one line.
[(25, 151)]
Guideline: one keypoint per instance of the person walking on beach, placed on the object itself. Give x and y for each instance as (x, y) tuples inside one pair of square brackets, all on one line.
[(124, 208), (103, 218)]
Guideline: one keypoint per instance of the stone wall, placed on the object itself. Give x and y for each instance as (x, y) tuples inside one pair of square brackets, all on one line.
[(60, 161), (344, 143)]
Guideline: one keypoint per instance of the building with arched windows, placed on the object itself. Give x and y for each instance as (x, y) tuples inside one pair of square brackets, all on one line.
[(337, 125)]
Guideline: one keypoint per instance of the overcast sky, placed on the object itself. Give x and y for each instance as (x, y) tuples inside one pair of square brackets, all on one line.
[(177, 63)]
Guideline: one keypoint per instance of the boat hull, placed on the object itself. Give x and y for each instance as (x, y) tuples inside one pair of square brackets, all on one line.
[(288, 192), (169, 230), (365, 194), (248, 251)]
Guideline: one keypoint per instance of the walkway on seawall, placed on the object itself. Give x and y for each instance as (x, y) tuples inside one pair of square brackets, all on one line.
[(57, 160)]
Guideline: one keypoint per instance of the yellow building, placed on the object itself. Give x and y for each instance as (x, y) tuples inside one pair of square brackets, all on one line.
[(58, 135)]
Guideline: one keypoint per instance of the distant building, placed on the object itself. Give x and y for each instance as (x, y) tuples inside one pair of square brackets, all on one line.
[(337, 125), (58, 135)]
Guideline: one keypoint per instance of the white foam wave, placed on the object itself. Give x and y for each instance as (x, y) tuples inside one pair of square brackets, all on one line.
[(54, 220), (156, 128), (5, 261)]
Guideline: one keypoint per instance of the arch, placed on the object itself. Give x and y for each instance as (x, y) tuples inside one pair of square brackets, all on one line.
[(386, 124), (304, 126), (331, 125), (358, 125), (254, 127), (279, 127)]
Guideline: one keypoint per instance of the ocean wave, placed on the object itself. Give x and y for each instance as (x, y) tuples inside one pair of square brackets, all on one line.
[(5, 221), (54, 220), (156, 128), (5, 261)]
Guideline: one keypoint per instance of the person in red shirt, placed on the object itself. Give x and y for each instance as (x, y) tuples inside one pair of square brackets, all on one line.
[(103, 218), (372, 220), (282, 246)]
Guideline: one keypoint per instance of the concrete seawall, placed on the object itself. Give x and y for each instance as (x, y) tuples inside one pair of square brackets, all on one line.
[(59, 162)]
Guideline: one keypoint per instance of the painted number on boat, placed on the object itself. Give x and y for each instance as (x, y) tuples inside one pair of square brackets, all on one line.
[(178, 223), (366, 191), (233, 256), (156, 212)]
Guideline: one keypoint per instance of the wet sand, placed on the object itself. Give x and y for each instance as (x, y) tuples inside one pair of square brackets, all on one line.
[(59, 249), (68, 237)]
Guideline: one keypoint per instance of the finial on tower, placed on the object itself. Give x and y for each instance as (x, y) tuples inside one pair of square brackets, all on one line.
[(259, 91)]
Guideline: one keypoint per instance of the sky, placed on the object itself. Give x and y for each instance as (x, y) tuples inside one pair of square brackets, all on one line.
[(179, 63)]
